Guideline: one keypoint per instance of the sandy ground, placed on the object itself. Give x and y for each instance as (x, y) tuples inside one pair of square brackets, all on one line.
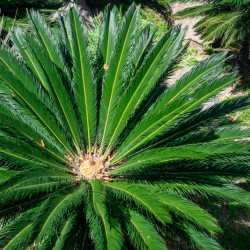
[(191, 33), (192, 36), (85, 11)]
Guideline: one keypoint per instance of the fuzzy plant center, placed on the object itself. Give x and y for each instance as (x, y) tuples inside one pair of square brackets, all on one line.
[(89, 167), (92, 168)]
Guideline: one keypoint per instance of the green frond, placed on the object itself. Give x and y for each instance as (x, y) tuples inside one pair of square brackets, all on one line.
[(158, 61), (29, 128), (51, 77), (142, 233), (157, 121), (84, 82), (194, 151), (47, 40), (66, 44), (26, 52), (112, 233), (41, 220), (95, 223), (232, 132), (66, 234), (220, 26), (143, 46), (6, 174), (26, 183), (194, 11), (18, 233), (190, 211), (198, 119), (142, 198), (200, 239), (109, 35), (23, 85), (113, 78), (54, 209), (54, 67), (226, 20), (28, 153), (223, 191)]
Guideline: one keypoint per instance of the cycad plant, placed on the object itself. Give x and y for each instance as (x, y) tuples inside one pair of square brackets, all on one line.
[(97, 153), (224, 20)]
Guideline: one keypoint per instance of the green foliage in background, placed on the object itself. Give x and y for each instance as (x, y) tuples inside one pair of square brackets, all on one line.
[(233, 220), (61, 103), (227, 20), (15, 11), (152, 12)]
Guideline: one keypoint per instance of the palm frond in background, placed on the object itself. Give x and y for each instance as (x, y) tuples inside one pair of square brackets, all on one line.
[(226, 21)]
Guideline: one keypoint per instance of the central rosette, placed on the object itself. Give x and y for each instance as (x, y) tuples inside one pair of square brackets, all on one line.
[(92, 168)]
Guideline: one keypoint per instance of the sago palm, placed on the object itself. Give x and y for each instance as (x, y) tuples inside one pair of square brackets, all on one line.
[(97, 153), (227, 20)]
